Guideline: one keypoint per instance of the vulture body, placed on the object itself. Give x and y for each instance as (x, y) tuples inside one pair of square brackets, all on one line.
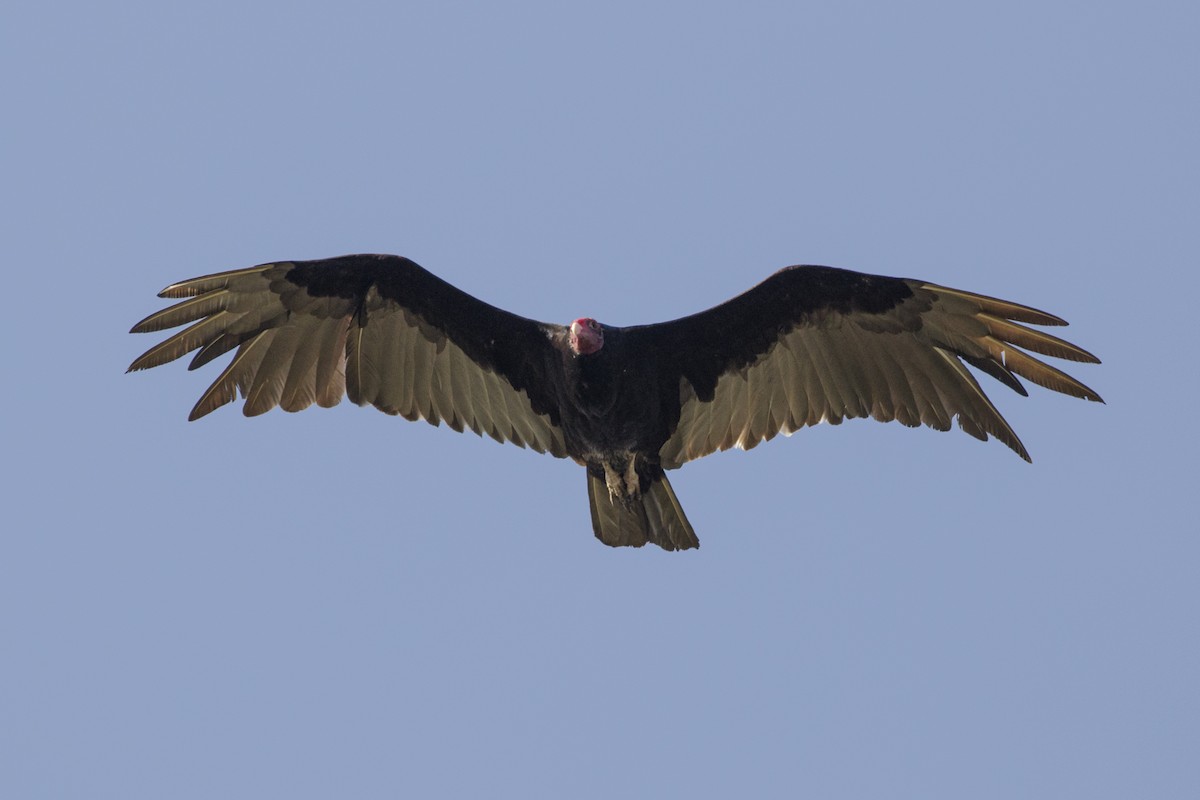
[(809, 344)]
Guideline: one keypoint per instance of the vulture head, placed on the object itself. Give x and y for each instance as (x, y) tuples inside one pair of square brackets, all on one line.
[(586, 336)]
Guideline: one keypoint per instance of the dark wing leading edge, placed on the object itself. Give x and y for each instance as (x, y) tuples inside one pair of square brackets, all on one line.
[(376, 327), (818, 344)]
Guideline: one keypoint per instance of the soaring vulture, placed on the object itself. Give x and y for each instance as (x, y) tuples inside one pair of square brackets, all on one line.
[(807, 345)]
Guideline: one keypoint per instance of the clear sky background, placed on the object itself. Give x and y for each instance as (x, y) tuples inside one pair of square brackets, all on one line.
[(342, 604)]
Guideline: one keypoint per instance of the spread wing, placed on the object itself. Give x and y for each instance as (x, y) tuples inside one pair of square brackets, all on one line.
[(376, 327), (817, 344)]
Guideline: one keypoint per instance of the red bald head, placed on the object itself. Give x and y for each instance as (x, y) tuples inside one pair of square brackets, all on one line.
[(586, 336)]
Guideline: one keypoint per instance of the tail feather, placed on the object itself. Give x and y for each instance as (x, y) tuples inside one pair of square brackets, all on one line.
[(653, 516)]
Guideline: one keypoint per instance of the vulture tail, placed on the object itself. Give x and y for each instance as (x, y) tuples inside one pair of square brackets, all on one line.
[(653, 516)]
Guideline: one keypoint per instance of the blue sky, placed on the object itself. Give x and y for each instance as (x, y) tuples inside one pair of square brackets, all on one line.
[(338, 603)]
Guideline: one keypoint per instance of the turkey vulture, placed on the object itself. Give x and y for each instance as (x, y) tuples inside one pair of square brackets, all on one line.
[(809, 344)]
